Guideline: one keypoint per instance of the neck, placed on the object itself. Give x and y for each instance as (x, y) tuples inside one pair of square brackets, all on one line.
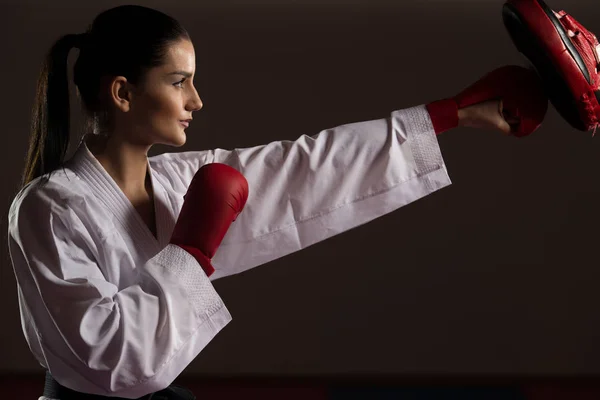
[(126, 163)]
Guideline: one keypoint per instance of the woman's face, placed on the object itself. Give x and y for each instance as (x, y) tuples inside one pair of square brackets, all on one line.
[(163, 102)]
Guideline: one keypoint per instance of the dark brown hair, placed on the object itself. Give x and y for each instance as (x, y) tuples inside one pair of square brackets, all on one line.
[(122, 41)]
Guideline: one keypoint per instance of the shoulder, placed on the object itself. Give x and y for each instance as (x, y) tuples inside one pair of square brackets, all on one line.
[(57, 195), (175, 170), (178, 160), (183, 165)]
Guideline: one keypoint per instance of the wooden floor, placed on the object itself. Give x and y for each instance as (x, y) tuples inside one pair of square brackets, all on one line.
[(20, 387)]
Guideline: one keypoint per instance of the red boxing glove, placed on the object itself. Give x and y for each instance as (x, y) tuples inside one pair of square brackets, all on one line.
[(519, 88), (215, 197)]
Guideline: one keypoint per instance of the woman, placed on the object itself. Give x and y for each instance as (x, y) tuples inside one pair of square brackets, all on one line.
[(111, 304)]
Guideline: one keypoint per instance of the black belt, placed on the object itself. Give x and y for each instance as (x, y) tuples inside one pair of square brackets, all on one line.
[(55, 390)]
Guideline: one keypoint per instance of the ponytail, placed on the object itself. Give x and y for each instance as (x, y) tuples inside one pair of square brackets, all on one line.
[(49, 137)]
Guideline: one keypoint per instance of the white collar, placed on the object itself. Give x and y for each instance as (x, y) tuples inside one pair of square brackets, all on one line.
[(103, 187)]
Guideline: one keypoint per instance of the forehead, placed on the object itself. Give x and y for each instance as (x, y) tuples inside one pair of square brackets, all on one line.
[(180, 55)]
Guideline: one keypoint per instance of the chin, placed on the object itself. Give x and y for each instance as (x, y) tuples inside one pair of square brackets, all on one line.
[(175, 140), (180, 142)]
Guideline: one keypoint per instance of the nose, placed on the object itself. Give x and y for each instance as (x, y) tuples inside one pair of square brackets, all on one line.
[(195, 102)]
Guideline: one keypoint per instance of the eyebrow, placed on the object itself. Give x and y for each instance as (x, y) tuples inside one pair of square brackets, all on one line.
[(183, 73)]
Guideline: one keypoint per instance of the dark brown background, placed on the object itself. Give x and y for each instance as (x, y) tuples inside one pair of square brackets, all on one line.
[(495, 275)]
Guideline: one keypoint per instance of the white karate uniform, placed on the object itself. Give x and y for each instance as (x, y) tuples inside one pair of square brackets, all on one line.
[(111, 310)]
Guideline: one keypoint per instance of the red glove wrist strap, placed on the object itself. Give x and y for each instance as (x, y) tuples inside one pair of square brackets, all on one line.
[(444, 115), (201, 258)]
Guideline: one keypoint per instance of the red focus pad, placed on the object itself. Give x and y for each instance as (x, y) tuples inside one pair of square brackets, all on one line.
[(564, 54), (215, 197)]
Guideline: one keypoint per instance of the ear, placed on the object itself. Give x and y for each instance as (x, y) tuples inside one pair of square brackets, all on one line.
[(120, 93)]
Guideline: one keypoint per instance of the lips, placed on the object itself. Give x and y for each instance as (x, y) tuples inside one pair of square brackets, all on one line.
[(185, 122)]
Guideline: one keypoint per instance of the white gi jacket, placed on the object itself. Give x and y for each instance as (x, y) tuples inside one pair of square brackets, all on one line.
[(111, 310)]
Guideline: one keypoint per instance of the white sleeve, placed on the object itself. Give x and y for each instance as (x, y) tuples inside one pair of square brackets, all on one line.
[(310, 189), (95, 337)]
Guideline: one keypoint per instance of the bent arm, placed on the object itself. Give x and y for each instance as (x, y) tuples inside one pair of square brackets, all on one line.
[(97, 338)]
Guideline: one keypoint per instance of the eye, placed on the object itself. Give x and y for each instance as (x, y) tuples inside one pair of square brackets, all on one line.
[(180, 83)]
